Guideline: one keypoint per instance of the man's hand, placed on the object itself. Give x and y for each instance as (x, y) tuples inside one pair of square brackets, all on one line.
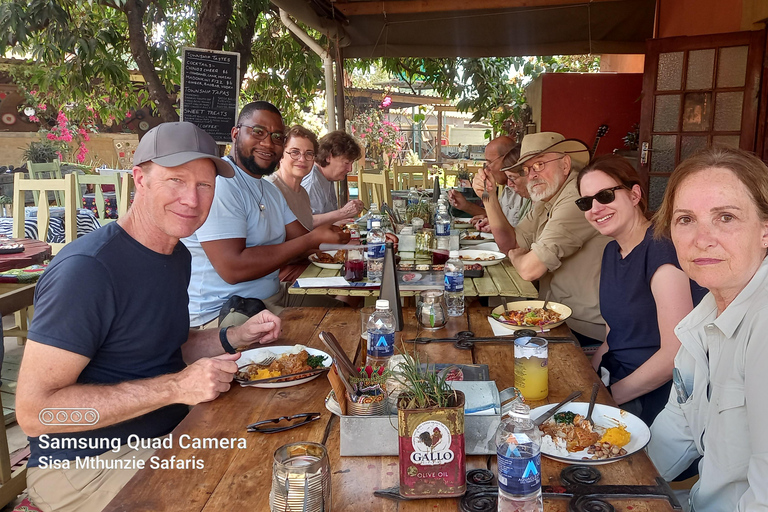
[(457, 199), (261, 328), (352, 209), (483, 181), (481, 223), (390, 237), (329, 234), (205, 379)]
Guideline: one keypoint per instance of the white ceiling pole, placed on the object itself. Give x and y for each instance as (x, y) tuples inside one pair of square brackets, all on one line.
[(330, 110)]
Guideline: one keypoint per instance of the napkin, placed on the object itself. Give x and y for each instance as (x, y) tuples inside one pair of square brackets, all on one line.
[(499, 329), (322, 282)]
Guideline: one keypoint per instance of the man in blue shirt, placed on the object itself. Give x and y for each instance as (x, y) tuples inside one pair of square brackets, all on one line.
[(251, 232), (111, 360)]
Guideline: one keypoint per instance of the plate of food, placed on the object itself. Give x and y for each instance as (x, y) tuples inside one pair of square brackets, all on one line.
[(411, 277), (462, 222), (484, 258), (288, 361), (11, 248), (475, 237), (528, 314), (333, 260), (568, 437)]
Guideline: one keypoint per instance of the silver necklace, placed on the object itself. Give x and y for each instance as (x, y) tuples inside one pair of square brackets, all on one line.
[(262, 206)]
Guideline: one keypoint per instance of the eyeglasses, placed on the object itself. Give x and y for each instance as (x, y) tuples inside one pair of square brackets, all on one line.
[(297, 154), (284, 422), (487, 163), (261, 133), (605, 196), (536, 167)]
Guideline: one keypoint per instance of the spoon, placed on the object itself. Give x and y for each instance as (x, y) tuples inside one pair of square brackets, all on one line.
[(546, 300), (595, 389), (544, 417)]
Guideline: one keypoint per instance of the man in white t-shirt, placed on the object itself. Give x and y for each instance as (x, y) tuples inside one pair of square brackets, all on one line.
[(250, 232)]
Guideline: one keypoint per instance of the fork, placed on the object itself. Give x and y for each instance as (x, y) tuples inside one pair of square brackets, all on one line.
[(486, 196), (267, 361), (546, 300)]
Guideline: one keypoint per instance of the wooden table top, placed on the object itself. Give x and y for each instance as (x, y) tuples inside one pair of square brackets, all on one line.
[(35, 252), (501, 280), (240, 479)]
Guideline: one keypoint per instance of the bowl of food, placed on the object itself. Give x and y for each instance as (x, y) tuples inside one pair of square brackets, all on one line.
[(286, 366), (569, 438), (484, 258), (529, 314), (475, 237), (333, 260)]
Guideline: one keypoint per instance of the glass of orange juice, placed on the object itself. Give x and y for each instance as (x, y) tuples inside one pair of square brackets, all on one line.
[(531, 374)]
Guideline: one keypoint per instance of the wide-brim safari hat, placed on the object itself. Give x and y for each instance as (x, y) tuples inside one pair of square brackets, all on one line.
[(535, 144)]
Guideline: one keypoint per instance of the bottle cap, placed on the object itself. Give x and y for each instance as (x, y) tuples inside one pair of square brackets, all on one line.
[(453, 254), (382, 304)]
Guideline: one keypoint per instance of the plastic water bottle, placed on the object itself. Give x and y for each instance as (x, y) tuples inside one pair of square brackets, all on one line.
[(375, 242), (413, 197), (373, 214), (518, 453), (454, 284), (381, 335), (442, 235)]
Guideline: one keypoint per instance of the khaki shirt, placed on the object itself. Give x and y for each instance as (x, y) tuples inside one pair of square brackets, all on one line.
[(298, 202), (557, 232), (722, 362)]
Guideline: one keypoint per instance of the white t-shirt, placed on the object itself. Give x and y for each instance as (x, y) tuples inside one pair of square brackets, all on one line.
[(235, 213)]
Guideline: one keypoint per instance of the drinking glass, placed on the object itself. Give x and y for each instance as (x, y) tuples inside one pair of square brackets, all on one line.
[(531, 373)]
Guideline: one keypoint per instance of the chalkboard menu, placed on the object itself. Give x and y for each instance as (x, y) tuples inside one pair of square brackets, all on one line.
[(209, 91)]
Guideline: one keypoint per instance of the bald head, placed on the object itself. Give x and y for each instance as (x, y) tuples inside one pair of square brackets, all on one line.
[(494, 152)]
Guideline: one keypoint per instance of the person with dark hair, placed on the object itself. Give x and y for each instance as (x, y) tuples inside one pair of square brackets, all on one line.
[(553, 243), (120, 362), (643, 291), (715, 209), (298, 158), (336, 152), (500, 155), (251, 232)]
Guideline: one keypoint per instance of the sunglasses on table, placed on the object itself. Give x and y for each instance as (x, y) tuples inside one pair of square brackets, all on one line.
[(605, 196), (283, 423), (297, 153), (261, 133)]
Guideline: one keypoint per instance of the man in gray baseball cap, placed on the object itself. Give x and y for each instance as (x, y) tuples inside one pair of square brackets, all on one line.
[(173, 144), (123, 350)]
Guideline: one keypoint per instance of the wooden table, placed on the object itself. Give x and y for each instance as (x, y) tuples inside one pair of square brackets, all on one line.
[(500, 280), (35, 252), (240, 479)]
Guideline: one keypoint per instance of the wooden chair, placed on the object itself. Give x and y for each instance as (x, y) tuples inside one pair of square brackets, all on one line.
[(380, 187), (411, 176), (51, 170), (12, 483), (98, 181), (126, 190), (68, 188)]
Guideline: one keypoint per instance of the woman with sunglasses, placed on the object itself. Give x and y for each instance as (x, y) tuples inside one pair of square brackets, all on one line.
[(643, 292), (299, 152)]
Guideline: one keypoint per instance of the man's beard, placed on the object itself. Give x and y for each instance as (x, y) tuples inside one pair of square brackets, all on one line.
[(248, 162), (549, 191)]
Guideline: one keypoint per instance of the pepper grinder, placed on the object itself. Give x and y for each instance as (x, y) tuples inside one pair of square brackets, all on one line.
[(390, 290)]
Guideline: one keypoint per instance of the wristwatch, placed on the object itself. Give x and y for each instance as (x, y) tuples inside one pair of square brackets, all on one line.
[(229, 349)]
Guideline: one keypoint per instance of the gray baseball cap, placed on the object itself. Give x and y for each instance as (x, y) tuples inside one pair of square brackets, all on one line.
[(172, 144)]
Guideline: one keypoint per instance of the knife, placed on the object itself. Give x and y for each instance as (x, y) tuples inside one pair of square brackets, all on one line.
[(544, 417)]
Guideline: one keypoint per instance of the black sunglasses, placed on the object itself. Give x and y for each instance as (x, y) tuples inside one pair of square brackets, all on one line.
[(283, 422), (605, 196)]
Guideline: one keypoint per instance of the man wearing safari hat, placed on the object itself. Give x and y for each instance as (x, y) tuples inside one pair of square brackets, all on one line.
[(110, 359), (553, 243)]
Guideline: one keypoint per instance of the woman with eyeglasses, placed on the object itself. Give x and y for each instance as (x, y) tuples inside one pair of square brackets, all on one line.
[(298, 158), (643, 291)]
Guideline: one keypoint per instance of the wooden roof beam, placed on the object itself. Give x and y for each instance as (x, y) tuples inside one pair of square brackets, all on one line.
[(364, 7)]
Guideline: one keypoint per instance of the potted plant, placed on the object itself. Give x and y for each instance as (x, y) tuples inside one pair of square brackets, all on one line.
[(6, 203), (430, 419), (41, 152), (463, 179), (420, 210)]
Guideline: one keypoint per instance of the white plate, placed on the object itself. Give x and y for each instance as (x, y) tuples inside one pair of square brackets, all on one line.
[(521, 305), (484, 237), (471, 255), (411, 277), (462, 222), (602, 416), (259, 354), (331, 266)]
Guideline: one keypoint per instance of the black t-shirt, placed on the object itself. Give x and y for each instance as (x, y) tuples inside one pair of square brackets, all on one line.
[(109, 298)]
